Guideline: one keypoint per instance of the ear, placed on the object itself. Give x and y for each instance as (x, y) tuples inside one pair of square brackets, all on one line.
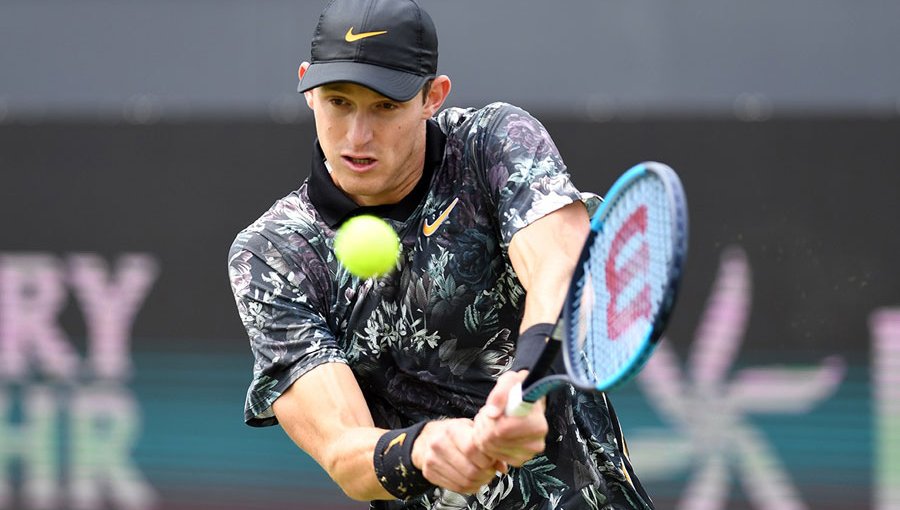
[(440, 89), (300, 72)]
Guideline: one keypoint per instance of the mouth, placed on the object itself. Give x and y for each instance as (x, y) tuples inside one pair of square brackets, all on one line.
[(359, 164)]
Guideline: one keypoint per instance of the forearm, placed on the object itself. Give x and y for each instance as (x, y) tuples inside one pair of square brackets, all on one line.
[(348, 461), (326, 415), (442, 453), (544, 305)]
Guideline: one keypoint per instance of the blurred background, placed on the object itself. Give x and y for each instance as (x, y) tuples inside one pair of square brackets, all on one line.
[(138, 137)]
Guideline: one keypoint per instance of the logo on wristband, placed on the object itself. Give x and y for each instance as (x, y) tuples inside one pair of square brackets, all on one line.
[(396, 441)]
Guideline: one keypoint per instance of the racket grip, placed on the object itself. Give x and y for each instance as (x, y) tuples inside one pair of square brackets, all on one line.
[(515, 406)]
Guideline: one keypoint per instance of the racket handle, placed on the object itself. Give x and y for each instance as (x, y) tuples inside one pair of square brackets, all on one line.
[(515, 406)]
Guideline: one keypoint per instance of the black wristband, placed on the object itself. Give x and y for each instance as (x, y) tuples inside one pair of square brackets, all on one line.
[(530, 345), (393, 463)]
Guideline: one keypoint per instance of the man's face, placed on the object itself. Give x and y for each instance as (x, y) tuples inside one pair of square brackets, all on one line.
[(375, 146)]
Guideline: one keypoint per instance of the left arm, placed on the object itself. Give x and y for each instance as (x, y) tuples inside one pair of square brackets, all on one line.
[(543, 255)]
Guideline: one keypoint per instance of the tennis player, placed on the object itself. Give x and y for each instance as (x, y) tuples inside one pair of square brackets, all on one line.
[(395, 385)]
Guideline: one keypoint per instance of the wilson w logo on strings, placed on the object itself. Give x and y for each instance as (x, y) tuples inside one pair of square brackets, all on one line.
[(627, 308)]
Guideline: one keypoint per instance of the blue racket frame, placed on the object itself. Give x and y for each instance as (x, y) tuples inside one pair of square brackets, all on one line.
[(564, 331)]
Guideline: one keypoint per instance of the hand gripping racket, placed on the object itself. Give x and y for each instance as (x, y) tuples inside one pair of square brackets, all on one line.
[(623, 288)]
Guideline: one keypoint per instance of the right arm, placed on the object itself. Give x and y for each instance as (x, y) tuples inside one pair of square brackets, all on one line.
[(324, 411), (325, 414)]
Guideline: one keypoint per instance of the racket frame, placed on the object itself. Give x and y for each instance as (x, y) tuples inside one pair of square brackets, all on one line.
[(520, 402)]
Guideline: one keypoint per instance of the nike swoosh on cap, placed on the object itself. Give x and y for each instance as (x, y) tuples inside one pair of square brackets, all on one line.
[(429, 229), (351, 37)]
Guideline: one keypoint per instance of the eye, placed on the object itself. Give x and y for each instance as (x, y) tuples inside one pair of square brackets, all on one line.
[(337, 101), (389, 106)]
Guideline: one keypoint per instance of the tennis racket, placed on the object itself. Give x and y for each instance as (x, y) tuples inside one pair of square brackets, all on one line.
[(622, 291)]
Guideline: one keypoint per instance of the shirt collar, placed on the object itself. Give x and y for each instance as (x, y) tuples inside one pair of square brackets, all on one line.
[(334, 206)]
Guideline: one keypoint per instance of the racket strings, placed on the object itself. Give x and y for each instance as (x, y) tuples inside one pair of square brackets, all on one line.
[(625, 273)]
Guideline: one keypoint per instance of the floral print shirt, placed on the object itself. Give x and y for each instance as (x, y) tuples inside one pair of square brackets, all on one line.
[(429, 339)]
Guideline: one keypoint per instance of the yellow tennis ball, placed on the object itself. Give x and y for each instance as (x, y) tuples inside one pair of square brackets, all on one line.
[(367, 246)]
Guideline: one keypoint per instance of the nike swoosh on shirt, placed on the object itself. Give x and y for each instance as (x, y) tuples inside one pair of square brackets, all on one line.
[(351, 37), (430, 228)]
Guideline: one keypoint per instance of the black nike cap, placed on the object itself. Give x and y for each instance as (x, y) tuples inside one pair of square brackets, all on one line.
[(389, 46)]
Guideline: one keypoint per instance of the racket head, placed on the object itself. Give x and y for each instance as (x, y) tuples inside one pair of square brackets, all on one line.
[(626, 282)]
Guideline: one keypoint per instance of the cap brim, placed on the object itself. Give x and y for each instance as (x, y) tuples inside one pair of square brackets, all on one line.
[(390, 83)]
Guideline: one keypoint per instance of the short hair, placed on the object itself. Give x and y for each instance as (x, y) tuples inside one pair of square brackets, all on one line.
[(426, 88)]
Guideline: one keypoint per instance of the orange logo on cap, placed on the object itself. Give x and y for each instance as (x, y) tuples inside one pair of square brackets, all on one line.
[(351, 37)]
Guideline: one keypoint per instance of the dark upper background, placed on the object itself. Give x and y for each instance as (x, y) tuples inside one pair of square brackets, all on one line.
[(143, 60)]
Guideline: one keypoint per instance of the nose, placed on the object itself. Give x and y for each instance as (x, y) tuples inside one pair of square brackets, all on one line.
[(359, 133)]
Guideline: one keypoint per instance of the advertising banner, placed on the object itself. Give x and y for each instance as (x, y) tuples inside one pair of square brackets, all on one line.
[(123, 365)]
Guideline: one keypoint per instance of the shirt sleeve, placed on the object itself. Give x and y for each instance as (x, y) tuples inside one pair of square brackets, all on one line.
[(525, 173), (289, 335)]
